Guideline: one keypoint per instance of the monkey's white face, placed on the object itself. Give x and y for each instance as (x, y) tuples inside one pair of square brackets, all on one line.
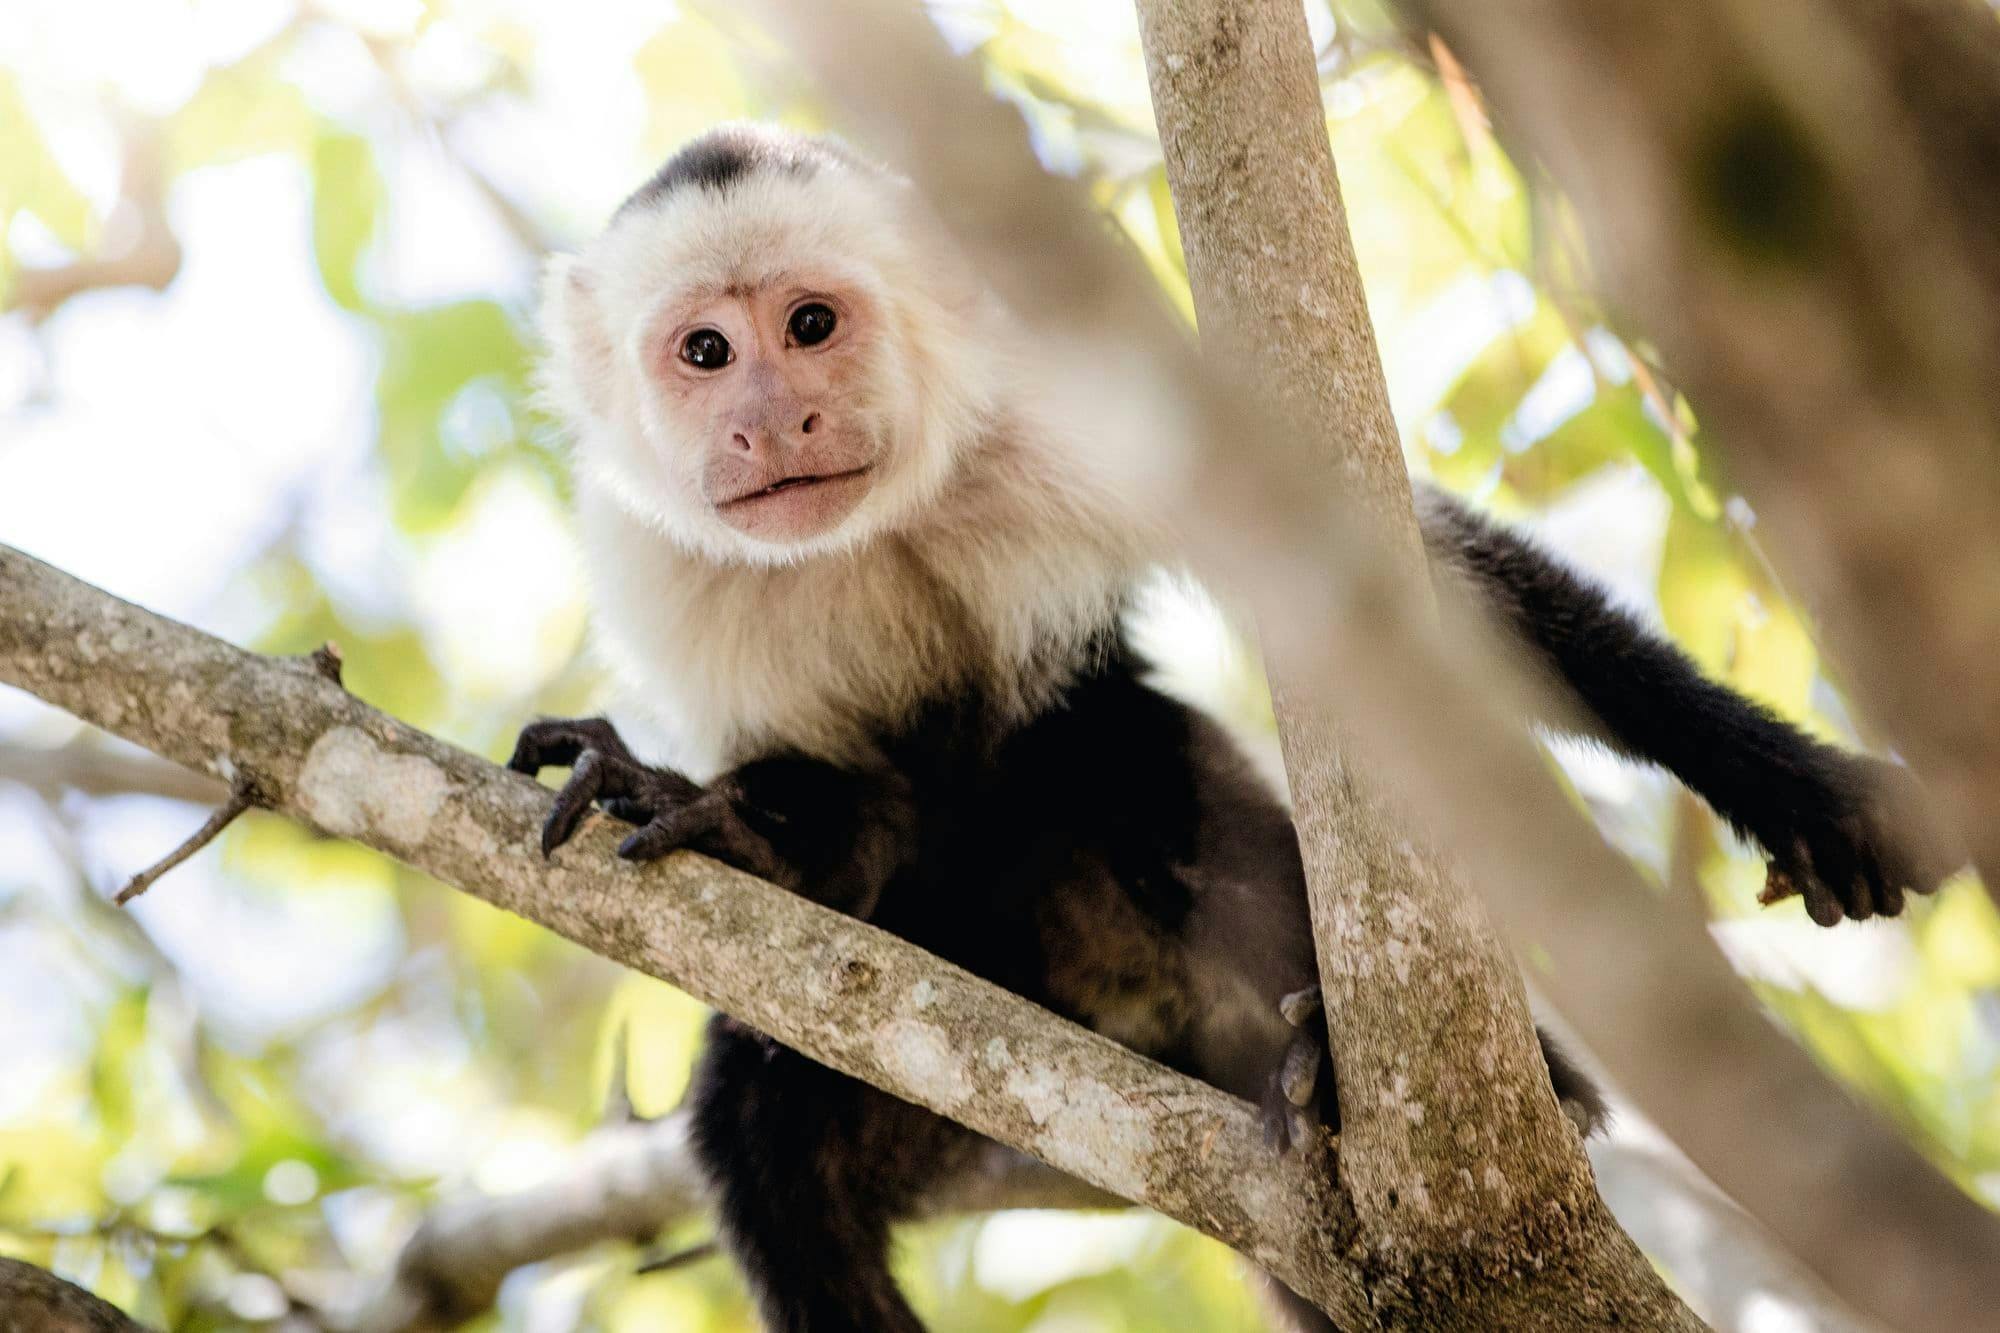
[(771, 371), (773, 405)]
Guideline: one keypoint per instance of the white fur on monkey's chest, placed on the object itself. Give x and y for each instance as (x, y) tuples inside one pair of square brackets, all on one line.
[(733, 660)]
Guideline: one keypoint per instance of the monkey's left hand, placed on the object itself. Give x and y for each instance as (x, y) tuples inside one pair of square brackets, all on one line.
[(1859, 851), (671, 811)]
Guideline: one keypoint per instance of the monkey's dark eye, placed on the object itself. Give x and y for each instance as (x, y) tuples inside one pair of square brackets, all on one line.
[(705, 349), (812, 323)]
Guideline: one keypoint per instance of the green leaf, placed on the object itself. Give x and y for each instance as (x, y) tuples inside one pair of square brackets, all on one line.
[(429, 357), (31, 180), (115, 1065), (347, 205), (239, 111)]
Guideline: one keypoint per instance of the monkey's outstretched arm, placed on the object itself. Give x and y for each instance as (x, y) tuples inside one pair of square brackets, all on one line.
[(831, 833), (1849, 833)]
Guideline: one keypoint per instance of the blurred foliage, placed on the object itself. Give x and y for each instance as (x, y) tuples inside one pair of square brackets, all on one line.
[(226, 1110)]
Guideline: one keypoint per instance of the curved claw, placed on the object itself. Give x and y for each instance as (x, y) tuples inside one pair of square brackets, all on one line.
[(674, 828), (586, 780), (1298, 1075), (605, 773)]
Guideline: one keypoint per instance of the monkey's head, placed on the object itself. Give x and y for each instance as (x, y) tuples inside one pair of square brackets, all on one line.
[(770, 352)]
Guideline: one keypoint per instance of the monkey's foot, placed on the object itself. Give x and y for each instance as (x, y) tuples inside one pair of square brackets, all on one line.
[(670, 810), (1860, 850), (1294, 1100)]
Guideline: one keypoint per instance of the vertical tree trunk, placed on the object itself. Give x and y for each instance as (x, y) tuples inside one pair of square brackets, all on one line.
[(1476, 1204)]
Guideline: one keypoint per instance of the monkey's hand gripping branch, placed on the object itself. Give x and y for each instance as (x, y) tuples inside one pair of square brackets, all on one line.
[(672, 812)]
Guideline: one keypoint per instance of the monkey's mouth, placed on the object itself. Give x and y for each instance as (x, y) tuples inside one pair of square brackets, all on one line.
[(784, 484)]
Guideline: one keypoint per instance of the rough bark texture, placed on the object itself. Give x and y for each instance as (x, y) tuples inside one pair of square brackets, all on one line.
[(31, 1299), (625, 1182), (835, 988), (1799, 202), (1475, 1202)]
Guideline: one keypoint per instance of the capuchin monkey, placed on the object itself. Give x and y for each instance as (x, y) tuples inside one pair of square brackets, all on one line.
[(873, 595)]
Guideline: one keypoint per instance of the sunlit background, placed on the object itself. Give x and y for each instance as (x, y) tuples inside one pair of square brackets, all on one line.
[(268, 271)]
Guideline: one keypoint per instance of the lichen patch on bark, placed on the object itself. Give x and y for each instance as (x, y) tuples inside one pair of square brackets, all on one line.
[(350, 785), (922, 1057)]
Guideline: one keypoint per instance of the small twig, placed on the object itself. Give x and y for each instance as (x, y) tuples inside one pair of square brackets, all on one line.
[(145, 252), (240, 799), (676, 1259), (618, 1106), (326, 660)]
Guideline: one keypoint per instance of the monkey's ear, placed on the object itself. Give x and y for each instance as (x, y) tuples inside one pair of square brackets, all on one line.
[(581, 373)]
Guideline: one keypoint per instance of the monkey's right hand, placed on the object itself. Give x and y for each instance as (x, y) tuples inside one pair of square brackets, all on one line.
[(671, 811)]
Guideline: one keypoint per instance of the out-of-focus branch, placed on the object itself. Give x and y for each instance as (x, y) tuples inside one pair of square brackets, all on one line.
[(140, 248), (625, 1182), (1644, 987), (1796, 200), (1726, 1266), (89, 766), (839, 990)]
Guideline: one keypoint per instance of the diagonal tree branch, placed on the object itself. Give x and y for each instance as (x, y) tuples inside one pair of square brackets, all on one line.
[(33, 1299), (1797, 200), (837, 989)]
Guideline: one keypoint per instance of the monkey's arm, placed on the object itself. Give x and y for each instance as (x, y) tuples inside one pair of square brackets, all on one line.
[(833, 834), (1848, 832)]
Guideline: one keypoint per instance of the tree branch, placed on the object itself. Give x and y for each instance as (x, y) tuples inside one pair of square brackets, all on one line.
[(144, 252), (1440, 1195), (1727, 1266), (33, 1299), (94, 768), (837, 989), (240, 800), (624, 1183)]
